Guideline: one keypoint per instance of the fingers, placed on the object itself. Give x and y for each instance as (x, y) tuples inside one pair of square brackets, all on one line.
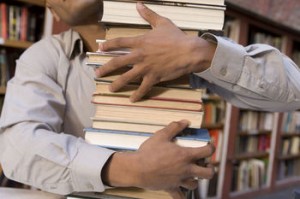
[(202, 172), (115, 63), (118, 43), (143, 89), (124, 79), (190, 184), (170, 131), (202, 152), (150, 16)]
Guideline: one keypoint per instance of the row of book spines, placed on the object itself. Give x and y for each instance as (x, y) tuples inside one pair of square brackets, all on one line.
[(7, 66), (289, 168), (253, 120), (249, 174), (217, 140), (291, 122), (291, 146), (250, 144), (17, 23)]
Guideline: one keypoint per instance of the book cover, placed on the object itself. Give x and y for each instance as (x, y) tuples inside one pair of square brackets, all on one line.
[(128, 140)]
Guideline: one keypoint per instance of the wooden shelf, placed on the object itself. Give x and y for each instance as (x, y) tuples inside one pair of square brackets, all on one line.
[(211, 97), (2, 90), (15, 44), (288, 181), (251, 155), (255, 132), (34, 2), (251, 193), (287, 135), (289, 156), (213, 126)]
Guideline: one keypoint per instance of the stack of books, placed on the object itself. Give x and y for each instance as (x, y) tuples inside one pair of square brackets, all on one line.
[(122, 125)]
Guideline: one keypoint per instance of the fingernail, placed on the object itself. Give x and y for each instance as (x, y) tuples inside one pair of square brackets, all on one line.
[(133, 99), (100, 47), (140, 5), (97, 72), (111, 88), (185, 122)]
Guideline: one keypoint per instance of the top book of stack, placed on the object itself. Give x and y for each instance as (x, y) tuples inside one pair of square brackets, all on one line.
[(185, 14)]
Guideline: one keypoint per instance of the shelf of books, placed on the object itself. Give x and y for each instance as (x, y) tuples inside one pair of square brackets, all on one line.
[(289, 155), (296, 52), (19, 29), (262, 147), (21, 24)]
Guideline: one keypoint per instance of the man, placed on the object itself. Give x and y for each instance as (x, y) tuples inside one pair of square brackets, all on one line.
[(47, 105), (255, 77)]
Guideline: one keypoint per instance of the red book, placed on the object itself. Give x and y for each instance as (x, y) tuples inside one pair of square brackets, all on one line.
[(24, 24), (4, 31)]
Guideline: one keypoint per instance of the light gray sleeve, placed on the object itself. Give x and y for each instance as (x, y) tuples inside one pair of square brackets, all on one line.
[(255, 77), (33, 147)]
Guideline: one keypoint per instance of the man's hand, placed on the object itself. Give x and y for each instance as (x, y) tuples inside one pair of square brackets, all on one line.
[(160, 164), (162, 54)]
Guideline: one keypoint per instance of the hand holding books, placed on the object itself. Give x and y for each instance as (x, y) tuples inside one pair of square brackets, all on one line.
[(160, 164), (162, 54)]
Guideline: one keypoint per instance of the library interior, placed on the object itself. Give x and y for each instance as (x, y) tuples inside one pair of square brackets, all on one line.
[(257, 153)]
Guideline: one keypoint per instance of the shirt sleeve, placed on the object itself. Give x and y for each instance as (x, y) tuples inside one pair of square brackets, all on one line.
[(255, 77), (33, 147)]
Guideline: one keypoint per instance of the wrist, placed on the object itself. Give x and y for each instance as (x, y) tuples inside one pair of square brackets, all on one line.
[(121, 170), (201, 54)]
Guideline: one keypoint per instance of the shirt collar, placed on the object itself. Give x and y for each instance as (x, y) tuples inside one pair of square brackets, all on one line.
[(73, 43)]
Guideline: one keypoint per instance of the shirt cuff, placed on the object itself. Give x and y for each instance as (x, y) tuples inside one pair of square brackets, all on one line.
[(228, 61), (87, 167)]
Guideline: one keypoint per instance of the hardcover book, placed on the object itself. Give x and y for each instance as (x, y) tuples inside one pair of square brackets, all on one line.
[(126, 140), (188, 16), (143, 115)]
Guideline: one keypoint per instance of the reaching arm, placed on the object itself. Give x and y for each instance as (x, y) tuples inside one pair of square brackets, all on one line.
[(257, 76)]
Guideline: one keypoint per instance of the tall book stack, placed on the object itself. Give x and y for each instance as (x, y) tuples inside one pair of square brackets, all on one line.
[(122, 125)]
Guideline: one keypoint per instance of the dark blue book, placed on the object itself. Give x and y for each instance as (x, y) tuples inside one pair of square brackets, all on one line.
[(127, 140)]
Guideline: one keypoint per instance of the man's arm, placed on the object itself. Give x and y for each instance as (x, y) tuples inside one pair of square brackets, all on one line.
[(257, 77), (34, 149)]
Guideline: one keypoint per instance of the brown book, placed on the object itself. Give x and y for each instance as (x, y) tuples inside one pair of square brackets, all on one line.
[(181, 82), (191, 98), (156, 102), (142, 115), (115, 31)]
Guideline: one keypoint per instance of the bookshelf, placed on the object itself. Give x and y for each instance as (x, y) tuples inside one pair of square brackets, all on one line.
[(22, 24), (25, 25), (245, 141)]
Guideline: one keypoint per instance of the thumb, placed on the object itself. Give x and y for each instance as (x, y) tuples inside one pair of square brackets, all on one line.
[(149, 15)]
